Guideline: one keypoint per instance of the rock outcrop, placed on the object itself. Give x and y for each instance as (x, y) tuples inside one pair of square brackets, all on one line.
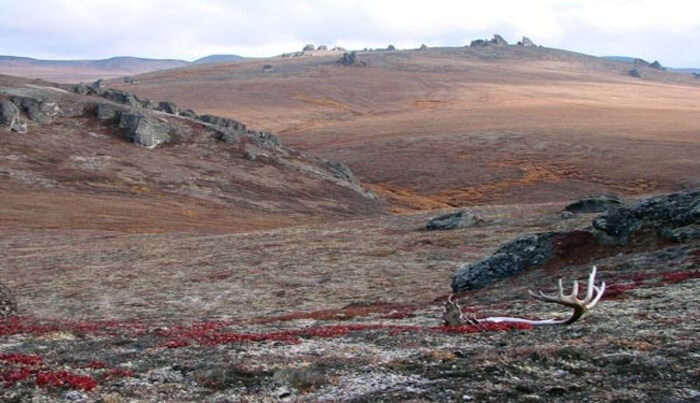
[(450, 221), (660, 215), (527, 43), (497, 40), (661, 220), (595, 204)]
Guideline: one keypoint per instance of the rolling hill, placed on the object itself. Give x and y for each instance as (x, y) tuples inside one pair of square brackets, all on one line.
[(450, 127)]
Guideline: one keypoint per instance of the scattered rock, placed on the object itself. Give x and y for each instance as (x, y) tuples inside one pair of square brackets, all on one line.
[(8, 305), (449, 221), (143, 130), (11, 118), (267, 68), (635, 73), (167, 107), (527, 43), (595, 204), (510, 259)]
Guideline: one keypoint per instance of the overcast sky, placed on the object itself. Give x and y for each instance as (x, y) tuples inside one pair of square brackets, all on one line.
[(667, 30)]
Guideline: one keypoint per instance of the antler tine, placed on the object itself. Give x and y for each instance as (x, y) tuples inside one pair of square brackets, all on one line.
[(574, 291), (591, 284), (600, 290)]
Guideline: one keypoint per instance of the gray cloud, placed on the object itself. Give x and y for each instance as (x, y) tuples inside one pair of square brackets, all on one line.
[(186, 29)]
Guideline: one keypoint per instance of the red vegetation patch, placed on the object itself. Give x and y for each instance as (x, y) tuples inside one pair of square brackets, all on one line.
[(679, 276), (207, 334), (391, 311), (65, 379), (21, 359)]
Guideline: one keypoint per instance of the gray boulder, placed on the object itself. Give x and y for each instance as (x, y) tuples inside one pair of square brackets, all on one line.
[(143, 130), (450, 221), (11, 118), (167, 107), (595, 204), (659, 214), (111, 112), (512, 258)]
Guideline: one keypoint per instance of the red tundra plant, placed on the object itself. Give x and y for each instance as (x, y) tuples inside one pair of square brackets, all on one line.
[(65, 379)]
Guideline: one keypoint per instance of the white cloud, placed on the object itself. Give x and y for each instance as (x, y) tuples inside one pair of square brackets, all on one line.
[(191, 29)]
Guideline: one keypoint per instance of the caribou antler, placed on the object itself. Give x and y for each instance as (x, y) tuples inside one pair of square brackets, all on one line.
[(580, 306)]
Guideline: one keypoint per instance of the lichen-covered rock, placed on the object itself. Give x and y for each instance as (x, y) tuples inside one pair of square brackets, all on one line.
[(595, 204), (8, 305), (512, 258), (459, 219), (143, 130), (661, 213)]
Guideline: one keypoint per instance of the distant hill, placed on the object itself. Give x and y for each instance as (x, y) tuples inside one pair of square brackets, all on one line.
[(627, 59), (624, 59), (83, 70), (90, 70), (218, 59)]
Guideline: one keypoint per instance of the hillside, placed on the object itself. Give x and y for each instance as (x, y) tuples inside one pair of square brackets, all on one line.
[(77, 169), (448, 127)]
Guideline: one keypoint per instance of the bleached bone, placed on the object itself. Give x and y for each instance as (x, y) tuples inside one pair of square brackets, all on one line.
[(580, 306)]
